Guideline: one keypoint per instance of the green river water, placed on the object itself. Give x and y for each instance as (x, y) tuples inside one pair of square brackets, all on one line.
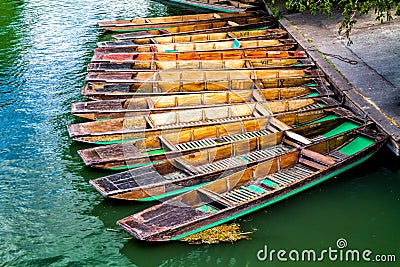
[(50, 216)]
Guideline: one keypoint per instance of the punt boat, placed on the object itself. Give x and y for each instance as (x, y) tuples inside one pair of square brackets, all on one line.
[(119, 108), (162, 22), (254, 187), (169, 145), (199, 38), (236, 24), (132, 128)]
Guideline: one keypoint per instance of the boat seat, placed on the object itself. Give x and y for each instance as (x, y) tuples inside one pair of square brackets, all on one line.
[(175, 175), (243, 194), (313, 106), (311, 163), (288, 176), (217, 141), (338, 155), (254, 156)]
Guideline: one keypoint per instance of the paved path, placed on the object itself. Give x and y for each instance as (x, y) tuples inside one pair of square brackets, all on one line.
[(375, 47)]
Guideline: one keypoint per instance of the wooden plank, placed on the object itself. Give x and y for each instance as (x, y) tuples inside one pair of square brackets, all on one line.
[(318, 157), (312, 164), (298, 137), (167, 143)]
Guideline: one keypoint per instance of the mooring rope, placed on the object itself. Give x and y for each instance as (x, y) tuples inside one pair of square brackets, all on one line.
[(344, 59)]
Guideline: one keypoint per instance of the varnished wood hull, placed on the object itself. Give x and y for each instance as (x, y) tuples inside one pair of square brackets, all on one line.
[(213, 55), (124, 91), (297, 97), (250, 34), (190, 53), (121, 91), (163, 22), (130, 128), (171, 177), (102, 85), (192, 207), (266, 34), (221, 45), (148, 150), (225, 6), (239, 64), (200, 28), (199, 77), (118, 108)]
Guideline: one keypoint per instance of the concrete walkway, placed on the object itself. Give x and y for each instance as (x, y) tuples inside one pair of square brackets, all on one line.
[(373, 84)]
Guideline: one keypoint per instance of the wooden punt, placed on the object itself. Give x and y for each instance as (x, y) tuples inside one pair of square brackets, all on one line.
[(212, 55), (222, 45), (131, 128), (119, 108), (162, 22), (103, 84), (174, 175), (148, 150), (262, 63), (217, 5), (170, 80), (205, 27), (103, 91), (199, 38), (253, 188)]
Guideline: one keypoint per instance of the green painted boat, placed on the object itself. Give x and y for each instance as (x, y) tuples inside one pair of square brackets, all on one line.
[(250, 34), (253, 188)]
